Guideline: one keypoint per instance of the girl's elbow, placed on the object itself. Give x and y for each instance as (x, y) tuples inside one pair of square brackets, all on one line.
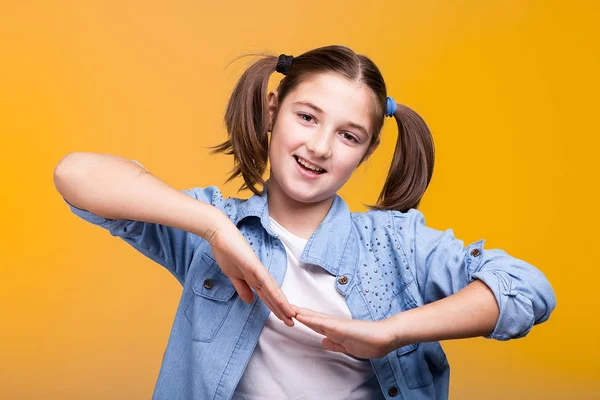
[(67, 170), (544, 299), (65, 164), (549, 297)]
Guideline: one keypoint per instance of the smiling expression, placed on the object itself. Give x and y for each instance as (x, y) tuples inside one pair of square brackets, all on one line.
[(326, 124)]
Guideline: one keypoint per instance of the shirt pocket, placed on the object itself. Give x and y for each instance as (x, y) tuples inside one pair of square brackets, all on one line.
[(421, 362), (212, 298)]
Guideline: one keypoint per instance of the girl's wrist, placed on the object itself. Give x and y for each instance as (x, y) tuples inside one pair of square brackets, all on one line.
[(207, 221), (400, 328)]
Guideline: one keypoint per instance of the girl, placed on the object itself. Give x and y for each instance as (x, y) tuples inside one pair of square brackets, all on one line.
[(374, 292)]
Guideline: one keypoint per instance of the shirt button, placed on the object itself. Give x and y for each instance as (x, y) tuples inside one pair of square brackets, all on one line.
[(208, 283), (393, 391), (475, 252), (342, 280)]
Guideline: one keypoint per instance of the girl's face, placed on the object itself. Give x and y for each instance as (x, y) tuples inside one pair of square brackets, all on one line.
[(326, 121)]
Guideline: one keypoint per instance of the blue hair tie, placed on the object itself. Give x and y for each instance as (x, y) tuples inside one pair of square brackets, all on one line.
[(391, 107)]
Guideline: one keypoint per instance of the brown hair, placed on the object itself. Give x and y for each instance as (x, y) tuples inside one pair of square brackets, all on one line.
[(247, 123)]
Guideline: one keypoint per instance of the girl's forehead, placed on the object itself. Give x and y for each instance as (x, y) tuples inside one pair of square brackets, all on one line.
[(332, 86), (335, 96)]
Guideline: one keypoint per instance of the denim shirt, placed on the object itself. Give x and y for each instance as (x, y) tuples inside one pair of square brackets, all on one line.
[(386, 262)]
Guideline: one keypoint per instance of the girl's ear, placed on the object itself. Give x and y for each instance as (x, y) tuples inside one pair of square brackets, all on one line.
[(273, 102)]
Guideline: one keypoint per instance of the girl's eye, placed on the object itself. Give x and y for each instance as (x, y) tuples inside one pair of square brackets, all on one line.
[(305, 115), (308, 118), (349, 136)]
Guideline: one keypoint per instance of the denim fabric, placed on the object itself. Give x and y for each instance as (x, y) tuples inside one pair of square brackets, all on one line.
[(392, 260)]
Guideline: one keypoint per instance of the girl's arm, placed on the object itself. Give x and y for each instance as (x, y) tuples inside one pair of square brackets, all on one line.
[(472, 311), (114, 187), (457, 284), (117, 194), (165, 224), (457, 291)]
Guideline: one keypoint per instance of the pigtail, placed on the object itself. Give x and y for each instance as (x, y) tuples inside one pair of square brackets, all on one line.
[(247, 124), (412, 163)]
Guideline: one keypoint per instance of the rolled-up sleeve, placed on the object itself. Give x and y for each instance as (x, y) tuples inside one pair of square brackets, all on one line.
[(170, 247), (444, 265)]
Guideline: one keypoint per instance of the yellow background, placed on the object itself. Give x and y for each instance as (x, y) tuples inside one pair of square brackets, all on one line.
[(509, 90)]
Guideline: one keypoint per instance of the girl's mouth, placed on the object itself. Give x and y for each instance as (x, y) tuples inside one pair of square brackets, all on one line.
[(308, 170)]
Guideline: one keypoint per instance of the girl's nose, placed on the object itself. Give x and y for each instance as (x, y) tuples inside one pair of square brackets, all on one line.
[(320, 144)]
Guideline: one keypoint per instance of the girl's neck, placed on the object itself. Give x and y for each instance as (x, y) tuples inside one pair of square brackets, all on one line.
[(301, 219)]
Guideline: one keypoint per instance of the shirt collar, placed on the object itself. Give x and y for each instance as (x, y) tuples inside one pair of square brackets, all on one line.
[(327, 246)]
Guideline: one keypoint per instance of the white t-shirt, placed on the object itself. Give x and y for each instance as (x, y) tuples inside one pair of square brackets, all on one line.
[(290, 362)]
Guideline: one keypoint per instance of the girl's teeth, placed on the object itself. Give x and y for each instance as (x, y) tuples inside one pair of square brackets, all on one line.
[(309, 167)]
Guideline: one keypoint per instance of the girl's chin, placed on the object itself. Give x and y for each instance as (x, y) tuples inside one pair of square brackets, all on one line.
[(310, 195)]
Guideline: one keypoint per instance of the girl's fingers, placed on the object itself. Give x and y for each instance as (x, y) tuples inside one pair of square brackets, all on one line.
[(329, 345), (309, 312), (333, 324), (249, 282), (261, 293), (285, 304), (276, 297), (276, 310), (317, 324), (274, 291), (266, 296), (327, 326), (243, 290), (268, 303)]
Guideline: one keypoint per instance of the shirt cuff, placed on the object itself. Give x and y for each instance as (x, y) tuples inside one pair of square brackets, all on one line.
[(516, 311)]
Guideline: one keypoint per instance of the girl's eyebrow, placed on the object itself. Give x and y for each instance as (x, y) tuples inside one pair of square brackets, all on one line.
[(359, 127), (320, 110), (309, 104)]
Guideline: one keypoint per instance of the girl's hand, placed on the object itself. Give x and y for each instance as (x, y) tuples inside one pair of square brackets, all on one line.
[(238, 261), (362, 339)]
